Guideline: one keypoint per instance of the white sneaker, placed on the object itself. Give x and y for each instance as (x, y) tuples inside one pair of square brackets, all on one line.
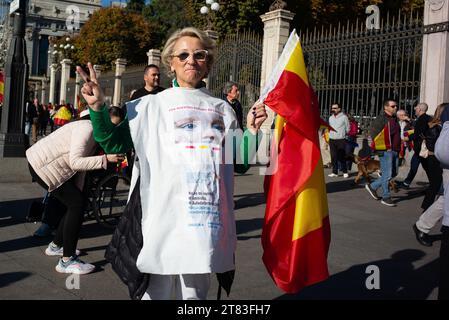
[(74, 265), (332, 175), (345, 175), (54, 250)]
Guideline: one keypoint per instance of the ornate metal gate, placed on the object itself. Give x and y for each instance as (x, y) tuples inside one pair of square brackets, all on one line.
[(359, 68), (239, 59)]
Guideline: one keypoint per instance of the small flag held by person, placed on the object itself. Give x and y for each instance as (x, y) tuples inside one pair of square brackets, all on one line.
[(296, 231)]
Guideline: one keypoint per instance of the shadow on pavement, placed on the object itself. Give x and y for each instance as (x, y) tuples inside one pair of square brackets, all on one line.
[(249, 225), (14, 212), (249, 200), (8, 278), (22, 243), (398, 280), (341, 186)]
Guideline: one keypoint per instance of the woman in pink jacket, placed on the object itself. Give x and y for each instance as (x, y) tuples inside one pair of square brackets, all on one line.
[(58, 163)]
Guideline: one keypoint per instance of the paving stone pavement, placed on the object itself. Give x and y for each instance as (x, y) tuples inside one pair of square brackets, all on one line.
[(364, 233)]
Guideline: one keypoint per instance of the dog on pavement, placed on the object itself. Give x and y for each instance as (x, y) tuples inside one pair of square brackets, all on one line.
[(367, 166)]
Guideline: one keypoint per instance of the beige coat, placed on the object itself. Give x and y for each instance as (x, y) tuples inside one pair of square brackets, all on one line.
[(59, 156)]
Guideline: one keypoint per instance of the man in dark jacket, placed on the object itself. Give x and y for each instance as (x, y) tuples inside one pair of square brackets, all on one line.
[(232, 93), (151, 76), (387, 123), (420, 126)]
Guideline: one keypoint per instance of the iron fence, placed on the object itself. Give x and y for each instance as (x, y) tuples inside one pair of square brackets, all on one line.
[(238, 59), (359, 68)]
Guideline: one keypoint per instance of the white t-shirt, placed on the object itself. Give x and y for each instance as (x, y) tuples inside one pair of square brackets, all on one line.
[(186, 189)]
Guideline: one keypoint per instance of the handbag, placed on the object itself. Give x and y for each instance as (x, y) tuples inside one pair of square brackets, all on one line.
[(424, 151)]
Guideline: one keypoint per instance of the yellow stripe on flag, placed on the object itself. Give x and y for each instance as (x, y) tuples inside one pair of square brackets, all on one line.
[(296, 63), (279, 127), (311, 204), (379, 141), (2, 88)]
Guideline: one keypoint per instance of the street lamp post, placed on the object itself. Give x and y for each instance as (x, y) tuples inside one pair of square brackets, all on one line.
[(13, 141), (210, 13), (59, 56)]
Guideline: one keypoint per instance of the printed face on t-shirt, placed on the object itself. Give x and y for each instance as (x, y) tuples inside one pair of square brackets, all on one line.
[(198, 126)]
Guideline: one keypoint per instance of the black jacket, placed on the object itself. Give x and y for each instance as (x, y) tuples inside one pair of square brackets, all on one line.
[(421, 126), (432, 133), (125, 246)]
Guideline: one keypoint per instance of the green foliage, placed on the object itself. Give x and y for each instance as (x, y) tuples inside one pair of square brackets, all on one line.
[(233, 16), (135, 6), (166, 16), (113, 33)]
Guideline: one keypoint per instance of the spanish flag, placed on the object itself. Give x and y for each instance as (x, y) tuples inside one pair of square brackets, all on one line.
[(382, 142), (2, 86), (296, 231)]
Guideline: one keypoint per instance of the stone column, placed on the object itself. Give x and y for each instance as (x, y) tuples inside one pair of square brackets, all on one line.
[(65, 75), (276, 33), (154, 57), (37, 88), (77, 91), (53, 69), (44, 91), (120, 66), (98, 70), (435, 56)]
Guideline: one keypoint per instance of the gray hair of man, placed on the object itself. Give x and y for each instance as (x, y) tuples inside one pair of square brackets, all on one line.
[(206, 41), (228, 87), (423, 107), (401, 113)]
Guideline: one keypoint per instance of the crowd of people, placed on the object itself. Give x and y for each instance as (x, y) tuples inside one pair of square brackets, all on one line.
[(394, 134), (39, 116)]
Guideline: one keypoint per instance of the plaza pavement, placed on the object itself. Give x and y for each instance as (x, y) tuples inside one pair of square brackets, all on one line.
[(364, 233)]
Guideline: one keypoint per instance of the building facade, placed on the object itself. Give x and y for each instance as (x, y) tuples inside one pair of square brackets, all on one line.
[(47, 20)]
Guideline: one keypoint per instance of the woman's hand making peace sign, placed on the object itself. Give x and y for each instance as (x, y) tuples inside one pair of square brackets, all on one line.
[(91, 89)]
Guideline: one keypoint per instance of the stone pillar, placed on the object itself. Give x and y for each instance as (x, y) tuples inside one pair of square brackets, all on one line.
[(53, 69), (276, 33), (37, 88), (435, 56), (120, 66), (98, 70), (65, 75), (154, 57), (44, 91), (77, 91)]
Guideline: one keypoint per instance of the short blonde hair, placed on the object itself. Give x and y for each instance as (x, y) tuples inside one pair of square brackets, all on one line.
[(205, 40)]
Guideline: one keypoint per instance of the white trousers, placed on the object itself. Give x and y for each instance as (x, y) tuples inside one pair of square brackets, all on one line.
[(434, 213), (178, 287)]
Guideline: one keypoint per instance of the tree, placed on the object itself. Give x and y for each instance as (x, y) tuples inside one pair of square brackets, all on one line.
[(233, 16), (113, 33), (135, 6), (166, 16)]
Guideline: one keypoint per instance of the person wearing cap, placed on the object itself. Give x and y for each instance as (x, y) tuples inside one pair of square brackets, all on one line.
[(59, 163)]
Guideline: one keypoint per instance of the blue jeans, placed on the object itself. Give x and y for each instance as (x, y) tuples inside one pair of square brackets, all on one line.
[(388, 166)]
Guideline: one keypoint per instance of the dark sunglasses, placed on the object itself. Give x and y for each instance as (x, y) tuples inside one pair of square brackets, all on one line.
[(198, 55)]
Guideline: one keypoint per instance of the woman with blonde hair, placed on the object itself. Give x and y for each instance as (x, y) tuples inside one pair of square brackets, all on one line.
[(182, 183)]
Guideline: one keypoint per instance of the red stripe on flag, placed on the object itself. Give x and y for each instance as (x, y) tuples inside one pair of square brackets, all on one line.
[(294, 100), (304, 261)]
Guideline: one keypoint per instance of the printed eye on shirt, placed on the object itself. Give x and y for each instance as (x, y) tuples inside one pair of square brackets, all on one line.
[(198, 136)]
